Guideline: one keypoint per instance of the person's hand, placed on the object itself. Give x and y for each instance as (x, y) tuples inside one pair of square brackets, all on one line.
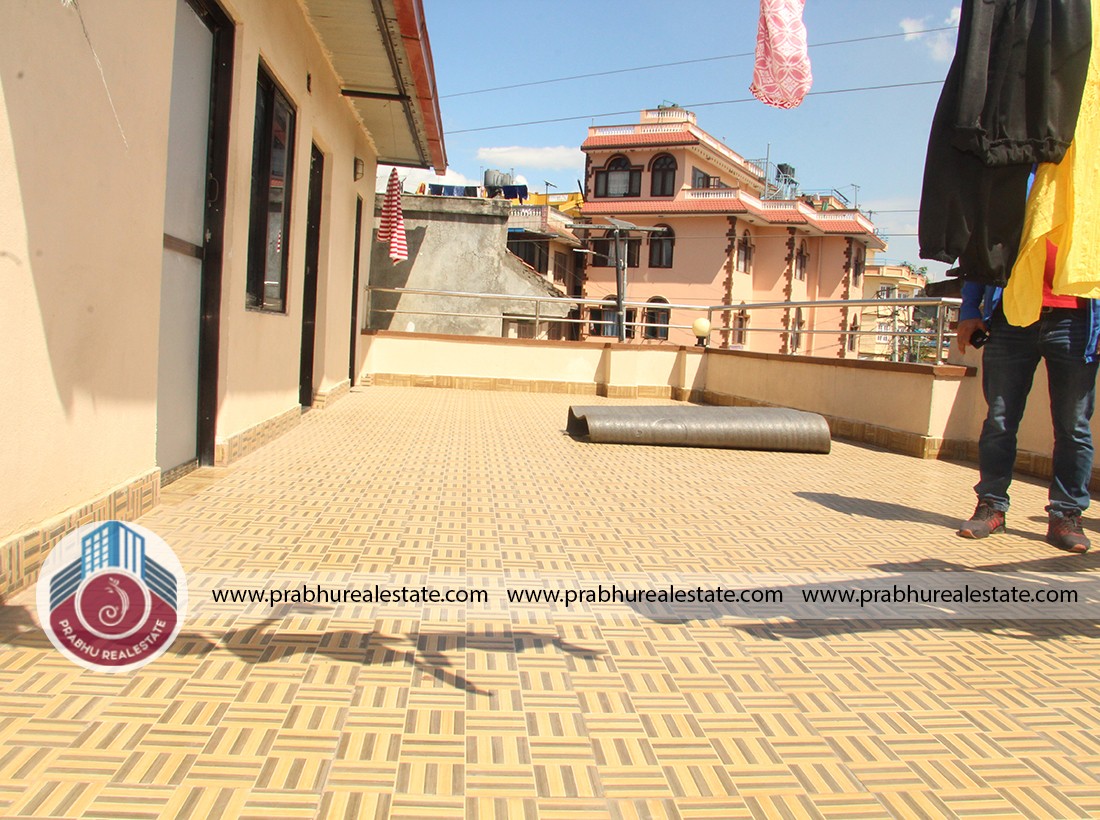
[(966, 330)]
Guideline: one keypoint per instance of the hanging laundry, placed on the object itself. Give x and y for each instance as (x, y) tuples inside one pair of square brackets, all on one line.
[(782, 75), (470, 190), (392, 229), (435, 190), (421, 188), (991, 126), (1063, 210), (515, 192)]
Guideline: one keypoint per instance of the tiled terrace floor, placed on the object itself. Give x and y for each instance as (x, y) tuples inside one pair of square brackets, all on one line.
[(504, 711)]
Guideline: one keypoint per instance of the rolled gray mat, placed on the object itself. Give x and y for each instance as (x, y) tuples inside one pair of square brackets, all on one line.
[(737, 428)]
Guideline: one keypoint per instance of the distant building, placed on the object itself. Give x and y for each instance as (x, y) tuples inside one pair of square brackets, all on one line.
[(462, 244), (733, 234), (891, 282)]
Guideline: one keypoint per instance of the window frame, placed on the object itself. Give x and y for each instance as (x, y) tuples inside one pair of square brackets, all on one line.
[(740, 327), (656, 315), (270, 98), (744, 253), (619, 164), (662, 180), (604, 251), (801, 261), (798, 325), (662, 248)]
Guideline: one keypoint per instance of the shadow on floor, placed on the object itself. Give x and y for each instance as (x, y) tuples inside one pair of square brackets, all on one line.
[(785, 622), (888, 511), (259, 644)]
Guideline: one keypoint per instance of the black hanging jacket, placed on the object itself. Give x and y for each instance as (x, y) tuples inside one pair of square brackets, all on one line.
[(1010, 100)]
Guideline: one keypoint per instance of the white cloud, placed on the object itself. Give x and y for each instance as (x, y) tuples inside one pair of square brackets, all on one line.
[(555, 158), (910, 25), (412, 177), (940, 44)]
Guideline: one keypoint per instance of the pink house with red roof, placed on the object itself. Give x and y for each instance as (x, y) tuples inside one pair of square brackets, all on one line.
[(728, 240)]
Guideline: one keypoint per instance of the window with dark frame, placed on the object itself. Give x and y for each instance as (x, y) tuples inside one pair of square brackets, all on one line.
[(859, 266), (796, 330), (853, 338), (657, 315), (604, 251), (535, 252), (740, 326), (272, 171), (605, 320), (744, 253), (661, 247), (619, 179), (801, 261), (663, 173)]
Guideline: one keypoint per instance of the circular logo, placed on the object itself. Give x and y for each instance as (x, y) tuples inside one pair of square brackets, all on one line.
[(112, 596)]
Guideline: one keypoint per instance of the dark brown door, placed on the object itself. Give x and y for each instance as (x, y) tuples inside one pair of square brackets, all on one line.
[(355, 287), (309, 285)]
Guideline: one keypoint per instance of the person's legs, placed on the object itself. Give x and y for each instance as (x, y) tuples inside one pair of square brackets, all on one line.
[(1072, 385), (1008, 366)]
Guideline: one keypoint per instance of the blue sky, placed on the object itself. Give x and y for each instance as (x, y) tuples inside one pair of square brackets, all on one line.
[(872, 139)]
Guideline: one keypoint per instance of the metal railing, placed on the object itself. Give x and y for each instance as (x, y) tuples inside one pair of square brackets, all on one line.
[(933, 331)]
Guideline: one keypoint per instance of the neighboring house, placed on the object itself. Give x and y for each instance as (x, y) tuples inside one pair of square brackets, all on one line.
[(891, 282), (182, 189), (567, 203), (728, 240), (460, 244), (540, 236)]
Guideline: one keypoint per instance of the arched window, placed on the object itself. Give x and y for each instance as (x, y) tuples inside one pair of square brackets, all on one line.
[(801, 261), (663, 172), (605, 321), (796, 330), (656, 319), (743, 262), (603, 318), (604, 250), (660, 248), (859, 263), (853, 337), (619, 178)]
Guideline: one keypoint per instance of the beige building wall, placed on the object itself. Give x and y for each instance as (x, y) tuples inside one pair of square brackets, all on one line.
[(83, 160), (81, 220), (261, 351)]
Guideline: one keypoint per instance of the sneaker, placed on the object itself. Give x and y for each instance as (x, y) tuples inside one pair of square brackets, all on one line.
[(985, 521), (1064, 532)]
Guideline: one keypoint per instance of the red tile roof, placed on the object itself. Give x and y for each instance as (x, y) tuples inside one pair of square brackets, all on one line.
[(736, 201), (640, 140)]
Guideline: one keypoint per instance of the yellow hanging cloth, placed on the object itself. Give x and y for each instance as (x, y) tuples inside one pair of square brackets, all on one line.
[(1063, 207)]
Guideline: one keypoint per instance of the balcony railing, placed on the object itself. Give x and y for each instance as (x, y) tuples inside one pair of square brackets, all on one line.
[(544, 310)]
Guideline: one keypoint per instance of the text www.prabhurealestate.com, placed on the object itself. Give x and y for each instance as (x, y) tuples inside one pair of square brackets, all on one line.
[(813, 595)]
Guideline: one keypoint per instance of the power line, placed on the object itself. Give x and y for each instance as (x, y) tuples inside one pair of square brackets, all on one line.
[(683, 62), (689, 106)]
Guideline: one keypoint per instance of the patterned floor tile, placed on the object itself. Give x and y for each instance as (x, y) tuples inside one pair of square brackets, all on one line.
[(502, 709)]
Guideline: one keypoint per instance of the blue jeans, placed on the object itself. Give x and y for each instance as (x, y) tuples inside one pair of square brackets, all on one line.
[(1008, 365)]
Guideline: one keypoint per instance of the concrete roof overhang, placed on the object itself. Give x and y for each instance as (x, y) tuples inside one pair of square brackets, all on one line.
[(381, 53)]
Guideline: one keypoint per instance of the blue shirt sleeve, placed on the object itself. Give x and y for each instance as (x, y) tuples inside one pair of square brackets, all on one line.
[(971, 308)]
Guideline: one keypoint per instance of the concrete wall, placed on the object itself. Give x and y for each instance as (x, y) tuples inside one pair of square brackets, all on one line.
[(455, 244), (603, 368), (907, 407)]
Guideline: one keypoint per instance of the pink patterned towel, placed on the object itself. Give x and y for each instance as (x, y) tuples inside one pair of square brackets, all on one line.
[(782, 76)]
